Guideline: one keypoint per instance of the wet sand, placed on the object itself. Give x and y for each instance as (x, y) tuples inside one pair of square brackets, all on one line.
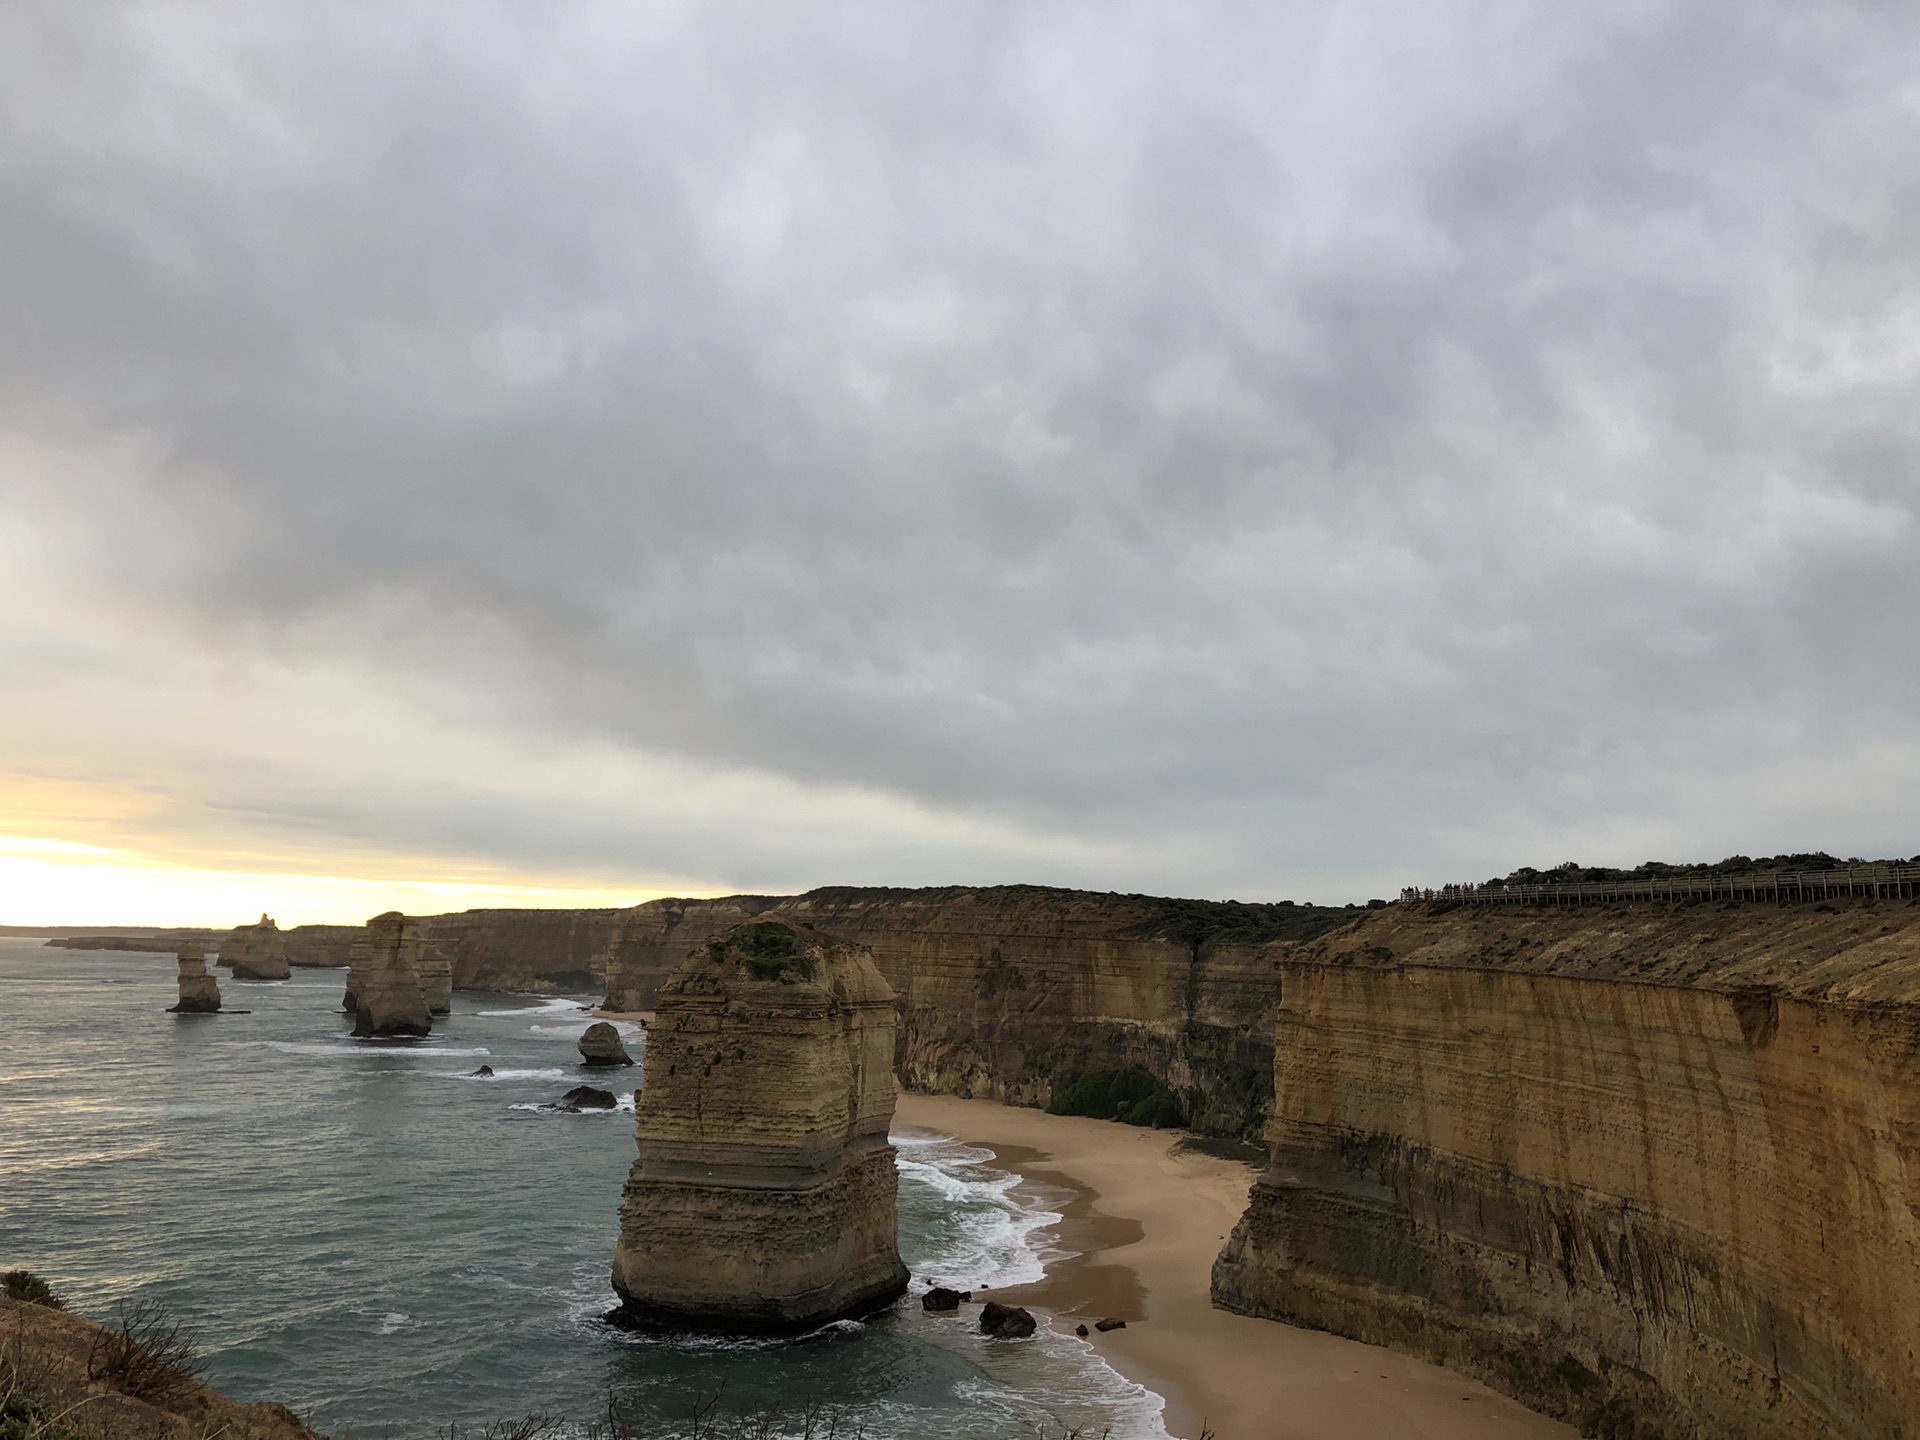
[(1146, 1220)]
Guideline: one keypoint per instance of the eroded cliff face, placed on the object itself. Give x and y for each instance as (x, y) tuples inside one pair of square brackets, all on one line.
[(1654, 1170), (1011, 992), (764, 1196), (538, 952), (321, 946)]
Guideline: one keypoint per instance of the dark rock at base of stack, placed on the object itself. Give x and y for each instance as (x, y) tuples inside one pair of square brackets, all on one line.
[(601, 1045), (940, 1298), (585, 1097), (1006, 1322)]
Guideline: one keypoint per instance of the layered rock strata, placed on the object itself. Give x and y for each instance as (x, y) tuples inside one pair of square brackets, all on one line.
[(199, 991), (256, 952), (537, 952), (601, 1045), (1653, 1169), (383, 978), (1013, 992), (764, 1195), (321, 946)]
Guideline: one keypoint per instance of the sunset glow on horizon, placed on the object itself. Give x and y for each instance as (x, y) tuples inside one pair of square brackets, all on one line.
[(62, 883)]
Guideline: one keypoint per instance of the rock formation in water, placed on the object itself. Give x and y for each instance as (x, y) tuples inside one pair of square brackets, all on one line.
[(199, 992), (1006, 1322), (1652, 1168), (601, 1045), (256, 952), (383, 979), (764, 1195)]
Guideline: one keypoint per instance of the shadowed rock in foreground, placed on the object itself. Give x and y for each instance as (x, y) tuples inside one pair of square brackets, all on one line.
[(256, 952), (383, 979), (54, 1363), (764, 1195), (199, 992)]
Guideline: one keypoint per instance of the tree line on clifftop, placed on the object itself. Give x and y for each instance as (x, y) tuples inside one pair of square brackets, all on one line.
[(1571, 872)]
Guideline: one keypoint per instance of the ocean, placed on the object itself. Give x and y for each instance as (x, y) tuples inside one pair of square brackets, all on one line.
[(367, 1232)]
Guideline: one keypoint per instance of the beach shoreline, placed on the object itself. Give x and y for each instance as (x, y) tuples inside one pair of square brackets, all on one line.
[(1142, 1220)]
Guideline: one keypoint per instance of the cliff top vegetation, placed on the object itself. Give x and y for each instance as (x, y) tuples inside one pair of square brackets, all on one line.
[(1157, 917), (1572, 872)]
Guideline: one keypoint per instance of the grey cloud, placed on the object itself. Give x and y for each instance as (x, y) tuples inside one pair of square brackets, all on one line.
[(1305, 443)]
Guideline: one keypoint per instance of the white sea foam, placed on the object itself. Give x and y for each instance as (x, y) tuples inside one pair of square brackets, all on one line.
[(551, 1072), (553, 1107), (539, 1007), (994, 1233), (994, 1236), (424, 1047)]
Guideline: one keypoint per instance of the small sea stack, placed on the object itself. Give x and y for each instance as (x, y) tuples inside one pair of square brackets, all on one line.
[(383, 979), (199, 991), (764, 1198), (601, 1045), (256, 952)]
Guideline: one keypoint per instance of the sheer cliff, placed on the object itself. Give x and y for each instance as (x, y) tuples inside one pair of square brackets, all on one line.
[(1012, 992), (540, 952), (1654, 1169)]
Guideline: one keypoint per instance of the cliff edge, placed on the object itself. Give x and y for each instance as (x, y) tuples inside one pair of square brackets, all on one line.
[(1654, 1169), (1014, 992)]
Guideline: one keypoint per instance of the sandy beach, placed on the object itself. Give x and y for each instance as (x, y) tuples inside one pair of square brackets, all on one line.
[(1147, 1219)]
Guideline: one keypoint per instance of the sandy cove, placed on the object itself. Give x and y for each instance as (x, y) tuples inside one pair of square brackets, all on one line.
[(1147, 1220)]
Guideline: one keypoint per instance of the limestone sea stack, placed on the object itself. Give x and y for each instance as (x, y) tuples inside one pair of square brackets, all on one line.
[(764, 1197), (199, 991), (383, 979), (601, 1045), (256, 952)]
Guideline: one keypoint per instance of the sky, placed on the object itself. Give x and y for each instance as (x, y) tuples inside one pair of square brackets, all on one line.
[(489, 453)]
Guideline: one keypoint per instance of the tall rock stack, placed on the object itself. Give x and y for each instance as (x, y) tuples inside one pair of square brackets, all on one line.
[(199, 991), (764, 1197), (256, 952), (383, 979)]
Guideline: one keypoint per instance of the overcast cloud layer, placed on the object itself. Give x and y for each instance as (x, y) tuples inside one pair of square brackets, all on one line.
[(1292, 449)]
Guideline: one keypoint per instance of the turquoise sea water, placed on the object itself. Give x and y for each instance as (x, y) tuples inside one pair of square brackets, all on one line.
[(367, 1233)]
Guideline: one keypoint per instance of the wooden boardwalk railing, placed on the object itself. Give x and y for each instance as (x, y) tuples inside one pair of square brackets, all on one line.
[(1771, 887)]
